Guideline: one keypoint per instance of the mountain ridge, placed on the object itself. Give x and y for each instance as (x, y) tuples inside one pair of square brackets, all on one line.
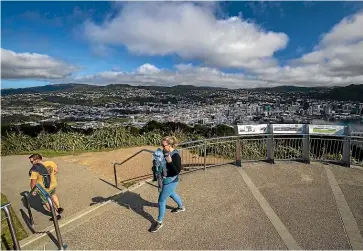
[(351, 92)]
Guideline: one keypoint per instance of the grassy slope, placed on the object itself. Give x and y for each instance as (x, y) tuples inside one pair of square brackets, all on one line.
[(6, 241)]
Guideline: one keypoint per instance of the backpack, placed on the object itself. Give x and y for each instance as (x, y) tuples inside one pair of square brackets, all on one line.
[(159, 168), (42, 170)]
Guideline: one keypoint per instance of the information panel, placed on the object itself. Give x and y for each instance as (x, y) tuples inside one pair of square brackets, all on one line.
[(291, 129), (288, 128), (252, 129), (326, 129)]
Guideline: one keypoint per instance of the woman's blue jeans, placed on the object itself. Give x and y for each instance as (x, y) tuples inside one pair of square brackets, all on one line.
[(168, 191)]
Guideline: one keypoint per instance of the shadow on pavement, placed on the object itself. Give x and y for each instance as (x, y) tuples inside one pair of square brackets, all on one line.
[(133, 201), (35, 203), (27, 220)]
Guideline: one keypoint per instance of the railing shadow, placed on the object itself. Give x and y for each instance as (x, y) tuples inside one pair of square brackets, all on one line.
[(27, 221), (5, 242), (109, 183), (35, 203)]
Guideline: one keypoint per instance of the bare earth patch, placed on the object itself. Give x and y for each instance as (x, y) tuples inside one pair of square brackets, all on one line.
[(136, 169), (101, 163)]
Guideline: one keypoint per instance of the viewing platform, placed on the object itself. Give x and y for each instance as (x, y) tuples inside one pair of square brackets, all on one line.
[(266, 191), (288, 205)]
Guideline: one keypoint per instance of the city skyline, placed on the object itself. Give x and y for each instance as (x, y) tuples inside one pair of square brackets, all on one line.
[(233, 45)]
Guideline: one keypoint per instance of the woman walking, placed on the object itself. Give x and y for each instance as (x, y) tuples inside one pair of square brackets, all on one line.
[(170, 182)]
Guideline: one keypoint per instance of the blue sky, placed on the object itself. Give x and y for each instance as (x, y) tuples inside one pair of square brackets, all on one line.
[(232, 44)]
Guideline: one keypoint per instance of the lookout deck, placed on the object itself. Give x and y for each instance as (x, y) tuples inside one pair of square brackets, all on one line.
[(288, 205)]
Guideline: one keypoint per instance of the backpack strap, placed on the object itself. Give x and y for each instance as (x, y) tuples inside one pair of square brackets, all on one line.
[(174, 152), (39, 168), (168, 180)]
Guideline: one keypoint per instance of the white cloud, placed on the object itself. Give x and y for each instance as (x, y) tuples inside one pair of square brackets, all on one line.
[(349, 30), (147, 69), (32, 65), (189, 30), (336, 60), (185, 74), (192, 31)]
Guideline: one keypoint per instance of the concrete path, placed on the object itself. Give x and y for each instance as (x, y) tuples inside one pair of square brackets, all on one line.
[(282, 206), (76, 188), (302, 197)]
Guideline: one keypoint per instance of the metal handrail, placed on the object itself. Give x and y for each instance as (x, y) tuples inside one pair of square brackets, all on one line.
[(120, 163), (5, 207), (61, 246)]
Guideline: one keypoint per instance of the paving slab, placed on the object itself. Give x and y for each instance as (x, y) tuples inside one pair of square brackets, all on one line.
[(301, 196), (76, 187), (350, 181)]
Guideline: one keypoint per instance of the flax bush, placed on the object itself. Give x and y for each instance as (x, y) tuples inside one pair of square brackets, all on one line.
[(100, 139), (108, 138)]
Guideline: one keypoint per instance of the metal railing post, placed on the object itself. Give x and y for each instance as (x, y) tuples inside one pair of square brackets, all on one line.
[(238, 148), (114, 171), (205, 154), (115, 163), (270, 144), (306, 144), (346, 146), (55, 220), (56, 226), (11, 226)]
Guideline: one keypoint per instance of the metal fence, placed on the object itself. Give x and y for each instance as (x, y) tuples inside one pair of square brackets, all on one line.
[(356, 150), (345, 150), (201, 154), (208, 152)]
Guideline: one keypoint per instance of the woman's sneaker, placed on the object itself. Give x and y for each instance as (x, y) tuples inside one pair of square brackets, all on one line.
[(157, 225), (178, 210)]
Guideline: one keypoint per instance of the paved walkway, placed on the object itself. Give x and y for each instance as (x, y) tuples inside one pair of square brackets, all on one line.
[(288, 205), (76, 187)]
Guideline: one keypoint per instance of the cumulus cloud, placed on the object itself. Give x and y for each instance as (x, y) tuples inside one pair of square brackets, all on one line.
[(336, 60), (32, 65), (189, 30), (193, 31), (147, 69)]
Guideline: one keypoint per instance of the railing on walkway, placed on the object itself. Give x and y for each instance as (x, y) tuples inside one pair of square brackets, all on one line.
[(344, 149), (6, 210), (115, 164), (27, 198)]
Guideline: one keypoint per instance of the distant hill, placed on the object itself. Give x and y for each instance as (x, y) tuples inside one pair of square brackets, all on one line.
[(84, 87), (291, 88), (46, 88), (351, 92)]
